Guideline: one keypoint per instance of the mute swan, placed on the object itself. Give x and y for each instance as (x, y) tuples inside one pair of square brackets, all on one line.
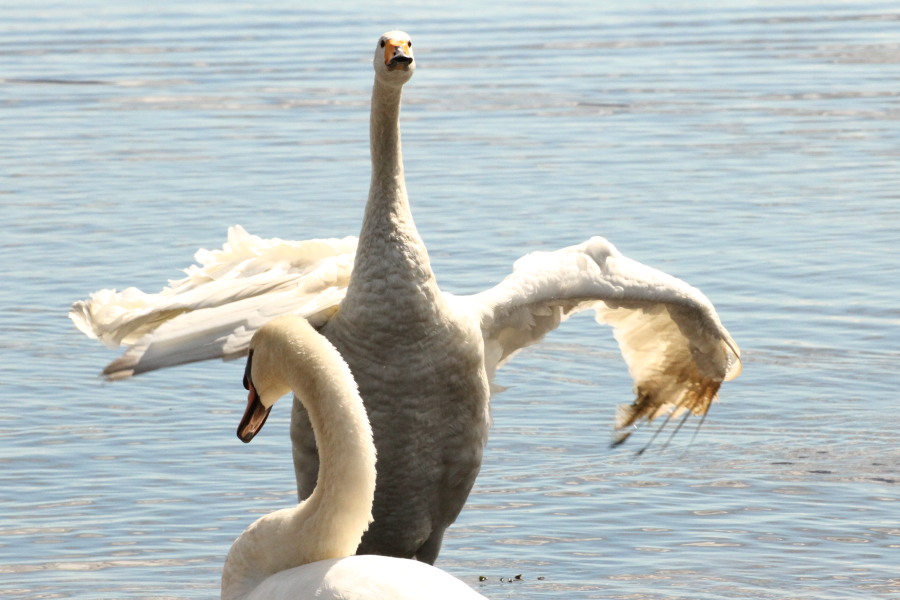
[(305, 551), (423, 358)]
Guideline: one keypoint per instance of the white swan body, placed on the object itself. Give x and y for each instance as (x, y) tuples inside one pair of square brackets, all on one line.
[(302, 552), (364, 577), (418, 362), (423, 359)]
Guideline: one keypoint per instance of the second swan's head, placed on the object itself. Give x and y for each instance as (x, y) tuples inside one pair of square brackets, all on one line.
[(283, 344), (394, 60)]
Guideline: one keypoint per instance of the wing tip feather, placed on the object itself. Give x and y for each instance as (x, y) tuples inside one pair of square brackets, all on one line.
[(119, 369), (650, 404)]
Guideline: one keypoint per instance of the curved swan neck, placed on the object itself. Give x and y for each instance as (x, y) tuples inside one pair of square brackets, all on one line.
[(319, 377), (331, 522)]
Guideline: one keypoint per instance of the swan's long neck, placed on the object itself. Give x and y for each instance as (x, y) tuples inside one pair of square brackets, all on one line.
[(390, 249), (331, 522), (387, 191), (345, 487)]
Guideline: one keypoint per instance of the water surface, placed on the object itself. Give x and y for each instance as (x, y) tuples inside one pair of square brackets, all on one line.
[(748, 148)]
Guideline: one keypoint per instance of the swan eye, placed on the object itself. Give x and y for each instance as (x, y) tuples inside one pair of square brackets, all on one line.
[(409, 44), (247, 381), (382, 43)]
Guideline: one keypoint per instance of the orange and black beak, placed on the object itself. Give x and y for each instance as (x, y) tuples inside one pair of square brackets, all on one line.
[(256, 413), (397, 54)]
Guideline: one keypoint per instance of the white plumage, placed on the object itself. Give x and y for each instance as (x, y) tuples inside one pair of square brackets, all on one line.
[(305, 551), (366, 577), (423, 359)]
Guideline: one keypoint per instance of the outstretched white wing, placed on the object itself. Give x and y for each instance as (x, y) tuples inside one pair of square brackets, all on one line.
[(214, 311), (676, 349)]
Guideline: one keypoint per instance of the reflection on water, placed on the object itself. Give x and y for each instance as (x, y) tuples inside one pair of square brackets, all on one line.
[(749, 149)]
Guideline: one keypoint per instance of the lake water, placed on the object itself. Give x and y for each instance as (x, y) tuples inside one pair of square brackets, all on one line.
[(748, 148)]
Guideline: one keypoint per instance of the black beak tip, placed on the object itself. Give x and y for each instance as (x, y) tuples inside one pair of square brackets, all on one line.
[(401, 60)]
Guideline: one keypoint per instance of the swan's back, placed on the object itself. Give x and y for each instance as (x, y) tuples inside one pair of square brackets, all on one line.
[(366, 577)]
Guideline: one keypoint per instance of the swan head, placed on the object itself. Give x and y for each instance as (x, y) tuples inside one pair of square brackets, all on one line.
[(264, 376), (394, 62)]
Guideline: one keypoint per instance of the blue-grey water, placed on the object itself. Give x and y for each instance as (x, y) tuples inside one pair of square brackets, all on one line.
[(750, 148)]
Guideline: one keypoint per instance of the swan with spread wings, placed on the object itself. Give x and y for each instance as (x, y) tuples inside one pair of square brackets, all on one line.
[(424, 359)]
